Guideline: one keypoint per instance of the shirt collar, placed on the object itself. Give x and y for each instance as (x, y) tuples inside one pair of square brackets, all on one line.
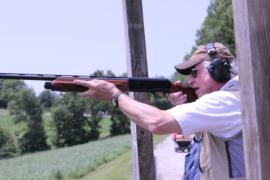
[(232, 85)]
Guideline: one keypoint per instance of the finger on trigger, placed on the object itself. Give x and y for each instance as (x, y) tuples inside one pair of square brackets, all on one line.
[(180, 93)]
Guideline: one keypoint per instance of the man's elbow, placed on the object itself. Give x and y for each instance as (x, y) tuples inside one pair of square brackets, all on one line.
[(164, 123), (164, 128), (158, 129)]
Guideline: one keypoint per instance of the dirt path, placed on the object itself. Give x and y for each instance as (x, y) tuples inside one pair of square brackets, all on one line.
[(169, 164)]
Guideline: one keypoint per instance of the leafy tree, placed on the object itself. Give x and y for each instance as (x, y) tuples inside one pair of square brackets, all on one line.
[(3, 103), (160, 102), (31, 138), (70, 121), (120, 123), (8, 145), (96, 110), (109, 73), (98, 73), (218, 25), (47, 99), (25, 109), (1, 84), (8, 91)]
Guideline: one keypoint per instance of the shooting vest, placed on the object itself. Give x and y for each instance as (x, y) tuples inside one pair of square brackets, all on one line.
[(222, 158)]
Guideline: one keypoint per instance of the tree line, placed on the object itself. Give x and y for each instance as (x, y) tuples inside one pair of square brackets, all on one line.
[(74, 120)]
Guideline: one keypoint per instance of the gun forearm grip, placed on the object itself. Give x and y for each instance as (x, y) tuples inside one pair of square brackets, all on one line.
[(64, 86)]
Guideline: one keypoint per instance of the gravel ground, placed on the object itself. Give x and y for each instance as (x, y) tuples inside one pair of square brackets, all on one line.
[(169, 164)]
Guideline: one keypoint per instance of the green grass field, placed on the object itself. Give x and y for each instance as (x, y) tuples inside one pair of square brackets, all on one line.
[(68, 163), (117, 169)]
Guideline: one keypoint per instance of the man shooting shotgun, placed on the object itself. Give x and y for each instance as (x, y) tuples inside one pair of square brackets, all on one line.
[(215, 117)]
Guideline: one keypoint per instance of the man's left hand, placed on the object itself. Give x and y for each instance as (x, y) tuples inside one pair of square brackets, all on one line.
[(98, 89)]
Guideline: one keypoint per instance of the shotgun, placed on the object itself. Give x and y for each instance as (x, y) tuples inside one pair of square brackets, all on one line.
[(65, 83)]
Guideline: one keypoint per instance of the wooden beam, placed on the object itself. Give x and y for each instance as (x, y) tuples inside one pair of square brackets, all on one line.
[(252, 34), (142, 144)]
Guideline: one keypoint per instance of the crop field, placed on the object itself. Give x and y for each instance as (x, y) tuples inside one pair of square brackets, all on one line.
[(65, 163)]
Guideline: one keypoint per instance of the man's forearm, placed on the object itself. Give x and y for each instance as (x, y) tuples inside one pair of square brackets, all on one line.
[(147, 116)]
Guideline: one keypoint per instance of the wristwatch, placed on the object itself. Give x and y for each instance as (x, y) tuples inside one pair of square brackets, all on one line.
[(115, 99)]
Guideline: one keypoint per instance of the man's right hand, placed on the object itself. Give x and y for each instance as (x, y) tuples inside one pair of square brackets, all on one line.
[(178, 97)]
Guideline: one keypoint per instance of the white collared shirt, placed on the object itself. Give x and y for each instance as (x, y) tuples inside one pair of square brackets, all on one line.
[(218, 112)]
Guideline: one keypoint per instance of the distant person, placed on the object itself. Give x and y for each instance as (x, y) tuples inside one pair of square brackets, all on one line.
[(216, 115)]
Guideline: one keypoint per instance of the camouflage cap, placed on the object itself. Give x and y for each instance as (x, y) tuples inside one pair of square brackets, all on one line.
[(201, 54)]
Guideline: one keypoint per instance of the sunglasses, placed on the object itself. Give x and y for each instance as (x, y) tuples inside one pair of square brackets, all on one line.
[(194, 72)]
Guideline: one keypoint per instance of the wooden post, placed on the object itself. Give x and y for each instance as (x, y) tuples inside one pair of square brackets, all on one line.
[(252, 33), (142, 144)]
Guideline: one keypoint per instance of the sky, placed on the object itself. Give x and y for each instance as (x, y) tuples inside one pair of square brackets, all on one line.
[(78, 37)]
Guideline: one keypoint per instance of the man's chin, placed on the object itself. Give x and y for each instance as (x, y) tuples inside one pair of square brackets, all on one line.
[(199, 94)]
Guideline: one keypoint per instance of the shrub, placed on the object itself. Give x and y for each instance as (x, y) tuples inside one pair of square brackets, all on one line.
[(25, 109), (8, 145), (120, 123), (69, 121)]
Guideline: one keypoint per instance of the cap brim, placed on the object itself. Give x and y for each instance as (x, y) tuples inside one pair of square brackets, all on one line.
[(185, 67)]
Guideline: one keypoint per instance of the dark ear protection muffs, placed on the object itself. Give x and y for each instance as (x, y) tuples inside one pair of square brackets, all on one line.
[(219, 68)]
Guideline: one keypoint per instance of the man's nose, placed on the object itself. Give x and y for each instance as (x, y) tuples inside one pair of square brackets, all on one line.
[(190, 80)]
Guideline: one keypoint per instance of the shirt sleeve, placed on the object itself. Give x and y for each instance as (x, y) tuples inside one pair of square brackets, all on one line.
[(218, 113)]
